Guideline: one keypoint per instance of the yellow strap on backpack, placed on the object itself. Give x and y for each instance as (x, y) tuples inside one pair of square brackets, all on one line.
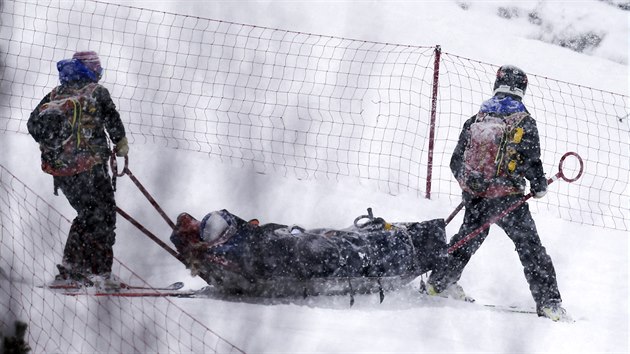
[(76, 120)]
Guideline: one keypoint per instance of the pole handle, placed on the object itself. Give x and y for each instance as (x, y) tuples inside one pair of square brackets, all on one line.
[(113, 163)]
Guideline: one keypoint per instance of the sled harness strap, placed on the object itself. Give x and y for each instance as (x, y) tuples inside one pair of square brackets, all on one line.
[(126, 171)]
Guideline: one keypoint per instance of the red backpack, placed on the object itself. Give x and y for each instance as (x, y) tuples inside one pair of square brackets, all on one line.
[(491, 152), (70, 116)]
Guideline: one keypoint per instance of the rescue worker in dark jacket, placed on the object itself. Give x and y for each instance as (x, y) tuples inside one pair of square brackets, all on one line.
[(71, 125), (497, 150)]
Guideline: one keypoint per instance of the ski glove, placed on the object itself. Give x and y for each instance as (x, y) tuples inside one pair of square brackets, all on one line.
[(539, 194), (122, 147), (539, 188), (476, 182)]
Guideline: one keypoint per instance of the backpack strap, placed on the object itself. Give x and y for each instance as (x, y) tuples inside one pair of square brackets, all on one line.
[(53, 93), (77, 113)]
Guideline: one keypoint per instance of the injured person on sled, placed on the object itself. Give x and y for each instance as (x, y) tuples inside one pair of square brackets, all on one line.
[(271, 260)]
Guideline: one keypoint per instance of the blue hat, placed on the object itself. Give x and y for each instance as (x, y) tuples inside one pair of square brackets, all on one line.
[(73, 70)]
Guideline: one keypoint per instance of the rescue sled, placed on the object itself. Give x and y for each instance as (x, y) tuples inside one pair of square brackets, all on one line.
[(275, 260)]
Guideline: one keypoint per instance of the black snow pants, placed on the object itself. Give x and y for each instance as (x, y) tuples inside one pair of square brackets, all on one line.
[(89, 248), (521, 229)]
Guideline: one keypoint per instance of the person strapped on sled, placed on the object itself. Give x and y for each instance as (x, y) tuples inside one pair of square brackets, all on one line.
[(498, 149), (246, 257), (72, 124)]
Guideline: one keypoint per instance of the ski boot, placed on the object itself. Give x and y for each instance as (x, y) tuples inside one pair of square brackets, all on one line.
[(554, 312), (453, 291), (107, 282), (68, 278)]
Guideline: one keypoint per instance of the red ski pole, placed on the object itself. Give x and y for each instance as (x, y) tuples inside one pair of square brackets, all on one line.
[(559, 175), (126, 171), (114, 166), (457, 209)]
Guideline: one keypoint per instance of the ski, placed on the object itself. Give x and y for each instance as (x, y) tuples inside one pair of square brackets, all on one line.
[(69, 286), (514, 309), (136, 293), (472, 302), (174, 286), (78, 286)]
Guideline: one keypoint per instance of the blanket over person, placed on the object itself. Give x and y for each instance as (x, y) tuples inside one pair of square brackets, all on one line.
[(270, 260)]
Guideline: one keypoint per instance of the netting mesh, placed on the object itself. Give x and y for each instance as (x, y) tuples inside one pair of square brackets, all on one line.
[(32, 239), (569, 117), (299, 104), (306, 105)]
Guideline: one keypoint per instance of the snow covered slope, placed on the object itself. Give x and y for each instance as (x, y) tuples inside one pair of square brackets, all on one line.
[(591, 263)]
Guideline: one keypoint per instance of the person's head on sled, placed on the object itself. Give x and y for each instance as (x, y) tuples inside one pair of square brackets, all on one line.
[(186, 232), (215, 228)]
